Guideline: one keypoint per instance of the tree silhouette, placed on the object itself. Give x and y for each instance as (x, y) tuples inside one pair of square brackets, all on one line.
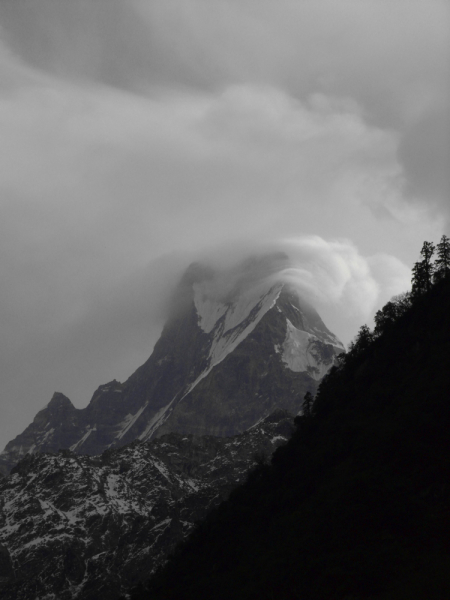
[(386, 317), (362, 341), (418, 280), (403, 302), (422, 273), (442, 263)]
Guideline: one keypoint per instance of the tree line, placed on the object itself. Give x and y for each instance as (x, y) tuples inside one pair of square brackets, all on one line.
[(425, 274)]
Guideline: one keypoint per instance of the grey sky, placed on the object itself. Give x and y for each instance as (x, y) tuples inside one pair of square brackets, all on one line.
[(138, 135)]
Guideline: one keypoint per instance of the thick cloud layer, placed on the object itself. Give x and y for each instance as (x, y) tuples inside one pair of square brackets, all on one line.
[(137, 136)]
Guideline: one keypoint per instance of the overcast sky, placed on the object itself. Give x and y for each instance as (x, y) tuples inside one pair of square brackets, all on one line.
[(139, 135)]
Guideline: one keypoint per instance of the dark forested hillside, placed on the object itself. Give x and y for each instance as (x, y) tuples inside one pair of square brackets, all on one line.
[(357, 504)]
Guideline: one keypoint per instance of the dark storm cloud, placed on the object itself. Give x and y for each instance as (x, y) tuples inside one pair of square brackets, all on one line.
[(393, 58), (101, 40)]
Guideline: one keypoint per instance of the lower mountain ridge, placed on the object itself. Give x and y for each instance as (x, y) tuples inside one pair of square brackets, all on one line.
[(90, 527)]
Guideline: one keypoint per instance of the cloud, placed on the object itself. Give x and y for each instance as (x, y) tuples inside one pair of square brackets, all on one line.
[(424, 153), (392, 275), (345, 286), (159, 169), (332, 273), (389, 59), (97, 182)]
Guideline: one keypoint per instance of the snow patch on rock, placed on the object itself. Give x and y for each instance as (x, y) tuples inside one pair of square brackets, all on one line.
[(155, 422), (132, 421), (301, 352), (83, 439), (211, 310)]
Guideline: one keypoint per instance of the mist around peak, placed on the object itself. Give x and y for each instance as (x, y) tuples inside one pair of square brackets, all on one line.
[(332, 276), (114, 330)]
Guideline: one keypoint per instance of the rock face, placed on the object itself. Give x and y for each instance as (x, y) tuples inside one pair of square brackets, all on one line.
[(90, 527), (239, 344)]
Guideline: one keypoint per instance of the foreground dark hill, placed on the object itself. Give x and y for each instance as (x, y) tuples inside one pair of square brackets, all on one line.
[(357, 504), (238, 345)]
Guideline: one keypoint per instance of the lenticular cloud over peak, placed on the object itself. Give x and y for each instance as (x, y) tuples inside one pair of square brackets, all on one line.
[(332, 275), (336, 277)]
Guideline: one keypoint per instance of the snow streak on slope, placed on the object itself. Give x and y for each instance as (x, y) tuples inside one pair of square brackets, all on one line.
[(157, 420), (131, 421), (231, 323), (81, 440)]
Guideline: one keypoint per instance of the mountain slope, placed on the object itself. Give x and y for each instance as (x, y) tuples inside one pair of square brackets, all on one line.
[(88, 527), (357, 504), (239, 344)]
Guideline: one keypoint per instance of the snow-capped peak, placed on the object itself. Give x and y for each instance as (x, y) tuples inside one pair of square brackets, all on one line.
[(232, 313), (240, 343)]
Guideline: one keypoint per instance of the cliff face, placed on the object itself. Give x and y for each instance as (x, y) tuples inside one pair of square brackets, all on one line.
[(238, 345), (90, 527)]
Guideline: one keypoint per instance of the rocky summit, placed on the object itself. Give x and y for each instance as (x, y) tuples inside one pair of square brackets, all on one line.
[(89, 528), (239, 343)]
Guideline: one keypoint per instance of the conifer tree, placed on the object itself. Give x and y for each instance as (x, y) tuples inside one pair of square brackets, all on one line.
[(386, 317), (418, 280), (442, 263), (428, 267), (362, 341), (423, 271)]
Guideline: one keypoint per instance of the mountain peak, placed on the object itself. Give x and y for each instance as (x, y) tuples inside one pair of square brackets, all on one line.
[(195, 272), (243, 345), (59, 400), (228, 282)]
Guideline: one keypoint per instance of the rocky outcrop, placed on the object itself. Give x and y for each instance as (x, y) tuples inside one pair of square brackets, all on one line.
[(56, 426), (90, 527)]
